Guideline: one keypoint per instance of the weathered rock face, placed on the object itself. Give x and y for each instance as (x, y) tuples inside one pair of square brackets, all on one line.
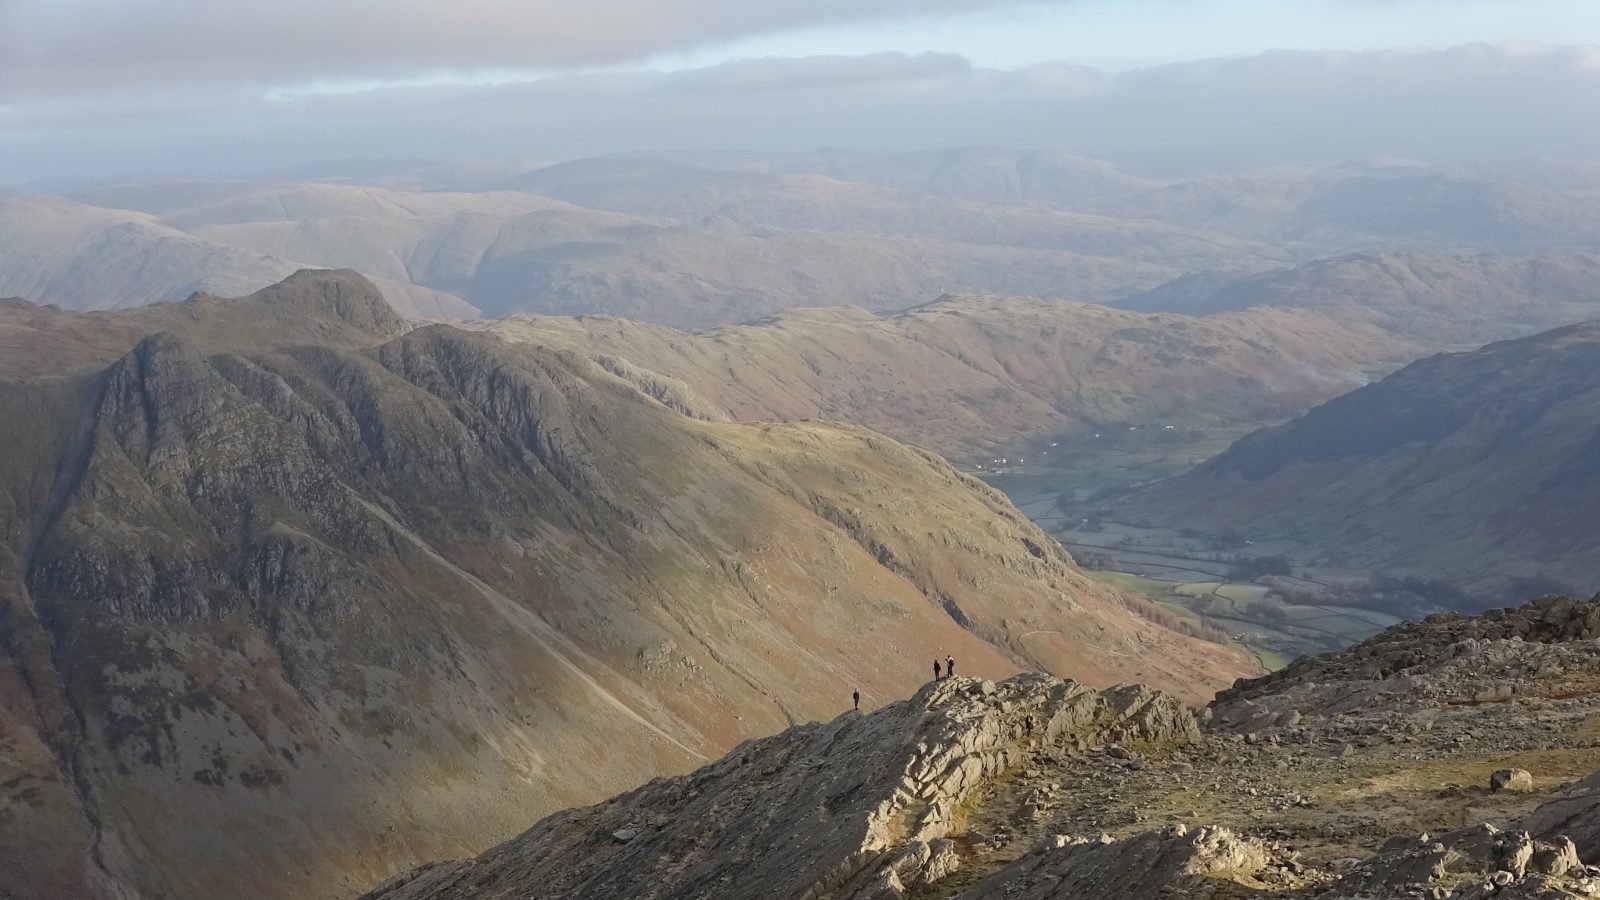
[(858, 808), (1574, 813)]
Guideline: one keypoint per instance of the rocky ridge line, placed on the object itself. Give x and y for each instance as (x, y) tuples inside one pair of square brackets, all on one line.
[(859, 808), (1325, 782)]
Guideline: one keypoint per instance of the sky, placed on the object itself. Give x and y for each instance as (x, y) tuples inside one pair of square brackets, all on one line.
[(99, 87), (1124, 33)]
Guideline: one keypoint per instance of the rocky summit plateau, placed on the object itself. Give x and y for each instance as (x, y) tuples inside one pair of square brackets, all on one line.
[(1453, 757)]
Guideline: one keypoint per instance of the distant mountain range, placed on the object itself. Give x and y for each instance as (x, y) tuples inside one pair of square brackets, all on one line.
[(295, 594), (63, 252), (1472, 467), (697, 240), (1433, 301)]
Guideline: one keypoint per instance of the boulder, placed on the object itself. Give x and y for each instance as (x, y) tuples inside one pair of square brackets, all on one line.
[(1508, 864), (1575, 814), (1517, 780)]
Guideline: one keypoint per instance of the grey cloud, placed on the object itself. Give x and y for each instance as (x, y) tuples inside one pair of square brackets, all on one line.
[(812, 73), (1472, 102), (53, 47)]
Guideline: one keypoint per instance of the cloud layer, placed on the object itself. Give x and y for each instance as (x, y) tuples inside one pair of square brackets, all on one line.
[(1470, 102), (52, 47)]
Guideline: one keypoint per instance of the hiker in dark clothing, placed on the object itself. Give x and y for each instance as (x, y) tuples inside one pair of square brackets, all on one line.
[(950, 667), (937, 672), (856, 696)]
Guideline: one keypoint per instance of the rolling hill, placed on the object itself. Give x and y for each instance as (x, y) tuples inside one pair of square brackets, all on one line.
[(1437, 301), (971, 376), (78, 256), (675, 244), (294, 595), (1521, 208), (699, 240)]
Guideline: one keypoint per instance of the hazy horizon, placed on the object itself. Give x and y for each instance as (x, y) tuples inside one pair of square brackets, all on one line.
[(99, 89)]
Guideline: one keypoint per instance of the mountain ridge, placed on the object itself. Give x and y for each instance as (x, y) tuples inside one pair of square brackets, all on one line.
[(388, 582), (1320, 781), (971, 376)]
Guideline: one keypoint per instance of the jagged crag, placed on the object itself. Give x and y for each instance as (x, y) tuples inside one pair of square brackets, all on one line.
[(295, 595), (1441, 759)]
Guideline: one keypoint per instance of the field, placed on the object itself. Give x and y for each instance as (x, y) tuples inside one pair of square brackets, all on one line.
[(1186, 572)]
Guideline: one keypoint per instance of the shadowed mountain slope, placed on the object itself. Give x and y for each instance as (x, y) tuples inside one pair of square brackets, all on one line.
[(1474, 466), (287, 611)]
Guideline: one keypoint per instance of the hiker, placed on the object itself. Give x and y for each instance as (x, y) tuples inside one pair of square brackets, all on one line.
[(949, 667), (856, 696), (937, 672)]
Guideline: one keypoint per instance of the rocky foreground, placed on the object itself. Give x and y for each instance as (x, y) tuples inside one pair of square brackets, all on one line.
[(1441, 759)]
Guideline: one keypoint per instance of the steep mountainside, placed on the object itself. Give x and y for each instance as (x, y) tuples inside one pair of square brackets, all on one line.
[(284, 612), (1433, 300), (1313, 783), (1472, 467), (969, 376)]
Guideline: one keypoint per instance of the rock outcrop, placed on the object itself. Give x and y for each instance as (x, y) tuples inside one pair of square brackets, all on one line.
[(1541, 649), (1574, 813), (860, 808), (1332, 781), (1481, 860)]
